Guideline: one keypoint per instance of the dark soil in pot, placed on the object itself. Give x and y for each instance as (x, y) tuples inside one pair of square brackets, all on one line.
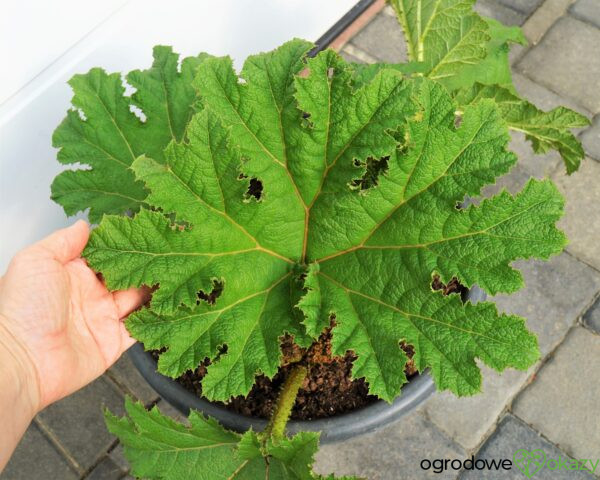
[(328, 389)]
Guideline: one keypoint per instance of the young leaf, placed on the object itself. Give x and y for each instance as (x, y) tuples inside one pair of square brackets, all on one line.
[(357, 212), (545, 130), (159, 448), (469, 56), (494, 69), (445, 35), (103, 132)]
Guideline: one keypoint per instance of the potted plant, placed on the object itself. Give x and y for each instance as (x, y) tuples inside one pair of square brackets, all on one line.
[(307, 216)]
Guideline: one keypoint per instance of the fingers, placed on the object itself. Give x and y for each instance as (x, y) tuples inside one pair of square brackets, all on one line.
[(67, 243), (128, 300), (126, 339)]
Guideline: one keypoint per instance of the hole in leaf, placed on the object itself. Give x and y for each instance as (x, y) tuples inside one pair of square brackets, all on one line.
[(221, 350), (304, 73), (457, 120), (255, 189), (330, 72), (453, 286), (138, 113), (306, 122), (410, 368), (211, 297), (81, 114), (129, 89), (370, 178)]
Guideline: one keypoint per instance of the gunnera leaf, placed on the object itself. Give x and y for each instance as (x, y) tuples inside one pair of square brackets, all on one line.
[(157, 447), (105, 132), (356, 215)]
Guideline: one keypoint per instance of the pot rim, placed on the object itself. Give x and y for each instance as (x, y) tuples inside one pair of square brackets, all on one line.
[(333, 429)]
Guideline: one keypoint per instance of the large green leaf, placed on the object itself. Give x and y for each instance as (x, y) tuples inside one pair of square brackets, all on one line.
[(159, 448), (546, 130), (103, 132), (357, 212)]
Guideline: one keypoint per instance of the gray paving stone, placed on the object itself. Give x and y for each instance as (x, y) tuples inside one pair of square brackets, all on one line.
[(556, 293), (542, 19), (513, 181), (517, 52), (567, 61), (168, 409), (467, 420), (106, 470), (36, 459), (529, 165), (542, 97), (562, 403), (118, 456), (523, 6), (537, 165), (78, 422), (502, 13), (592, 316), (587, 10), (394, 453), (511, 435), (590, 139), (349, 57), (361, 55), (131, 381), (383, 39), (581, 221)]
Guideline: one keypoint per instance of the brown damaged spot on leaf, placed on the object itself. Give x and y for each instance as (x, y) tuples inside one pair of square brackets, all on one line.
[(211, 297), (453, 286)]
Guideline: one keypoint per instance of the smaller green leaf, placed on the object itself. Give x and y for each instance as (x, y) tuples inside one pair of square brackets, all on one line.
[(494, 69), (159, 448), (545, 130), (445, 35), (152, 441)]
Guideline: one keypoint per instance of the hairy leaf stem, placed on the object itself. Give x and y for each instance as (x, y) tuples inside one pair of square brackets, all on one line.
[(275, 429)]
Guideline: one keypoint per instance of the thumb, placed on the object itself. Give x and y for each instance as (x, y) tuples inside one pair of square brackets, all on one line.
[(67, 243)]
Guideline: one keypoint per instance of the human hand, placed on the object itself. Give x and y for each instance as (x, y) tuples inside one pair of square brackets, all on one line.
[(58, 320)]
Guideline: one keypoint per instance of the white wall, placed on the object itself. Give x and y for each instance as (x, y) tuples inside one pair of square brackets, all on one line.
[(43, 42)]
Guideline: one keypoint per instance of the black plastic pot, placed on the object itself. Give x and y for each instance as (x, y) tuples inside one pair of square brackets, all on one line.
[(333, 429)]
